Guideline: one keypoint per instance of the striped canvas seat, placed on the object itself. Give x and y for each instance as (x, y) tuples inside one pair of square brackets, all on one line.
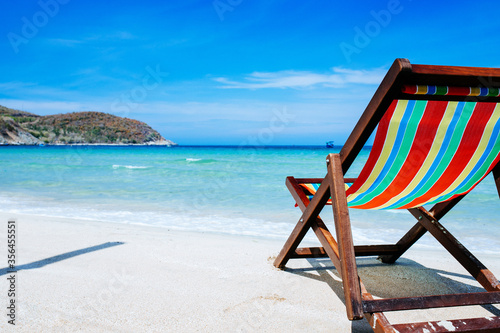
[(311, 188), (426, 152)]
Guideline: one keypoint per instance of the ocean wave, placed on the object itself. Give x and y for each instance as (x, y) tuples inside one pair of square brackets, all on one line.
[(117, 166), (200, 160), (215, 221)]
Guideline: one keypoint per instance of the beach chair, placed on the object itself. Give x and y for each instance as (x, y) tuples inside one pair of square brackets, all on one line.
[(438, 136)]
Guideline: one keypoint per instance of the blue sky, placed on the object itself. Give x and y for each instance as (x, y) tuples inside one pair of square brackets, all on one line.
[(230, 71)]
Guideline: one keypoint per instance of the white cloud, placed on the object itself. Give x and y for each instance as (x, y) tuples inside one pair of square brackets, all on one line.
[(337, 77), (112, 36), (47, 107), (122, 35), (32, 91), (66, 42), (16, 85), (223, 122)]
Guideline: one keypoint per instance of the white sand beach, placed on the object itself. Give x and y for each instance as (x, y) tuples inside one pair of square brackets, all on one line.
[(91, 276)]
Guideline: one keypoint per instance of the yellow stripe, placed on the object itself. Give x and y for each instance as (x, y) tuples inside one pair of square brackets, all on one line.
[(475, 91), (386, 150), (436, 145), (477, 154), (310, 187), (421, 90)]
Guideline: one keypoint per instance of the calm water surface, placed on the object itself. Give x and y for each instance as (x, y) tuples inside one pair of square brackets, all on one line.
[(210, 189)]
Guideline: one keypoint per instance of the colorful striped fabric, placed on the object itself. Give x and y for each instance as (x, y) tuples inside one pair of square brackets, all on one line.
[(427, 152), (450, 91), (311, 188)]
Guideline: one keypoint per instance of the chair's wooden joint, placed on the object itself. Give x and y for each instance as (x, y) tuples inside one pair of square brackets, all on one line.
[(329, 158)]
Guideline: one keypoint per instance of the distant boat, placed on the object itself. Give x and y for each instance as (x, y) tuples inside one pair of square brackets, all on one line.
[(329, 144)]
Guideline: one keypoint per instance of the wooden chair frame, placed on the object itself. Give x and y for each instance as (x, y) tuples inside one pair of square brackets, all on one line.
[(341, 250)]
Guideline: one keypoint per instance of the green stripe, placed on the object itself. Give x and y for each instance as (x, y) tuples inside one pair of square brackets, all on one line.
[(402, 154), (477, 176), (493, 91), (449, 153), (441, 90)]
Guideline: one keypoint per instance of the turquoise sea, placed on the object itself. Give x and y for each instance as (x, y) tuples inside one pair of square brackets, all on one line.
[(232, 190)]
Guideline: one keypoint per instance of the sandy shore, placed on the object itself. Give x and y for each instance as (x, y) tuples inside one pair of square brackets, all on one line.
[(77, 275)]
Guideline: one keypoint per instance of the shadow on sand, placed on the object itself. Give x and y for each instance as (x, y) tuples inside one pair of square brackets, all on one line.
[(405, 278), (60, 257)]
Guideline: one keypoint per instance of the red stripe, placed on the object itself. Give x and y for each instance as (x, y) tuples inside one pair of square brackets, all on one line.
[(409, 89), (458, 91), (419, 150), (378, 144), (468, 145), (495, 162)]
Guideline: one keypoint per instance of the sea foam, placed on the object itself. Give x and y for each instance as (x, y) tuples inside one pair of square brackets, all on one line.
[(116, 166)]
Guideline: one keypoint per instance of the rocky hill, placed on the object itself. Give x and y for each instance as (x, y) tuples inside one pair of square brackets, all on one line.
[(24, 128)]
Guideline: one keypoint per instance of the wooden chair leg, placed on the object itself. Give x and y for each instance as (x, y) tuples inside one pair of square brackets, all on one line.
[(310, 214), (418, 230), (450, 243), (441, 209), (377, 320), (349, 271), (330, 246)]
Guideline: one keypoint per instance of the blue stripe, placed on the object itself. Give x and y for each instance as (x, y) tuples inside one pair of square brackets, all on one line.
[(487, 153), (431, 90), (394, 152), (484, 91), (432, 169)]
